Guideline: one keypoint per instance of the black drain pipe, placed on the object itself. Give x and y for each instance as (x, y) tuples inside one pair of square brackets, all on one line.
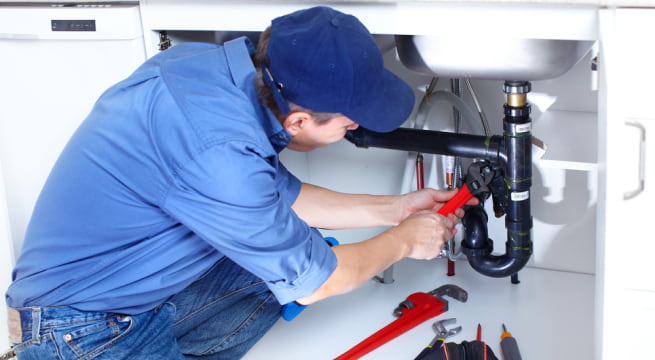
[(510, 153), (429, 142), (517, 168)]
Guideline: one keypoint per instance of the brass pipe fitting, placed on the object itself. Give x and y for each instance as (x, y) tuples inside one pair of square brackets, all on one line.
[(517, 100)]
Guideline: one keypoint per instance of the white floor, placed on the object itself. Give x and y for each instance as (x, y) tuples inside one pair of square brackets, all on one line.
[(550, 313)]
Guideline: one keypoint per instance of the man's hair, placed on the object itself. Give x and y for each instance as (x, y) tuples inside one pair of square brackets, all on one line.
[(265, 93)]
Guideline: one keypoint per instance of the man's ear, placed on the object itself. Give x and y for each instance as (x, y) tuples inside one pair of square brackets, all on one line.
[(295, 122)]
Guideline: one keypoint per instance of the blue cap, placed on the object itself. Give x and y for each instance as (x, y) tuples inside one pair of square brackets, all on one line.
[(327, 61)]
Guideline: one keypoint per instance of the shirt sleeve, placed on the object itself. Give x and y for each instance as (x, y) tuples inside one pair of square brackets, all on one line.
[(239, 199), (287, 184)]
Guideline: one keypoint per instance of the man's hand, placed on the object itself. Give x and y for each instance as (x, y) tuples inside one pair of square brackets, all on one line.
[(428, 199), (424, 233)]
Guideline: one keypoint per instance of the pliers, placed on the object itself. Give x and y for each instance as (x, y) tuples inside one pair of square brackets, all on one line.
[(442, 333)]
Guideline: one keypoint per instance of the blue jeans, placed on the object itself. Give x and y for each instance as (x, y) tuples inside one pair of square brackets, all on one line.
[(220, 316)]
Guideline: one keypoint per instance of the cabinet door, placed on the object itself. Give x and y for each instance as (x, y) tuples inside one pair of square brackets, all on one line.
[(625, 283), (6, 263), (629, 281), (636, 207)]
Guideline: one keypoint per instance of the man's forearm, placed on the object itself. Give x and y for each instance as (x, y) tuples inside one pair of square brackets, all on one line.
[(327, 209), (358, 263)]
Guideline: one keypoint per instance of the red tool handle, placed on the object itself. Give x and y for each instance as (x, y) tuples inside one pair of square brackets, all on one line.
[(457, 201), (426, 306)]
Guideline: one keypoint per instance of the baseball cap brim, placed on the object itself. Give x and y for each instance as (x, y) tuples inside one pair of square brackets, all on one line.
[(389, 106)]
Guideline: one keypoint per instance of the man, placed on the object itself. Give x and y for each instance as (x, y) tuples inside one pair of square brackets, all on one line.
[(168, 228)]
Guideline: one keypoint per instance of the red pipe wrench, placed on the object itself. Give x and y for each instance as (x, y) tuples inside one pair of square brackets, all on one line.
[(478, 177), (417, 308), (477, 180)]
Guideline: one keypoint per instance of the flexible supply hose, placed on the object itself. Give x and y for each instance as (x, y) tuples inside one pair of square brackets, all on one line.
[(431, 98), (483, 117)]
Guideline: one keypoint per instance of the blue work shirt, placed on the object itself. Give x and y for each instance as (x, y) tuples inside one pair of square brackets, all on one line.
[(174, 168)]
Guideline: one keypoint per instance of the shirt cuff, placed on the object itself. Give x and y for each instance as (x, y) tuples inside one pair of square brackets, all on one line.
[(322, 263)]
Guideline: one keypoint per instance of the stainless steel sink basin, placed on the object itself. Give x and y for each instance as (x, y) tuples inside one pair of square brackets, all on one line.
[(490, 58)]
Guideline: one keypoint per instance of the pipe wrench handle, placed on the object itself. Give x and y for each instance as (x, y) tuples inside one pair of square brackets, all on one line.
[(457, 201), (425, 306)]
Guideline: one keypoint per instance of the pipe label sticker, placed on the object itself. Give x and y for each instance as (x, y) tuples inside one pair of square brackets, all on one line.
[(522, 128), (520, 196)]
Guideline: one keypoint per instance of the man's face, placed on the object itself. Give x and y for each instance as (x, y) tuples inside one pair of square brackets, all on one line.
[(307, 134)]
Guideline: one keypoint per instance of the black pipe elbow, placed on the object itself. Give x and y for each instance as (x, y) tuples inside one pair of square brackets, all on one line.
[(478, 248)]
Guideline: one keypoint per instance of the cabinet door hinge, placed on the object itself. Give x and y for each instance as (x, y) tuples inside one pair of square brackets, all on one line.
[(164, 41)]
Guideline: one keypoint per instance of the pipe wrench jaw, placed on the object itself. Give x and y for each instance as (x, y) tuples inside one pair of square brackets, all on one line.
[(420, 304), (449, 290), (434, 299), (478, 178)]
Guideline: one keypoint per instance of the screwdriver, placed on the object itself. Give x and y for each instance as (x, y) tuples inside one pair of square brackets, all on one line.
[(509, 346)]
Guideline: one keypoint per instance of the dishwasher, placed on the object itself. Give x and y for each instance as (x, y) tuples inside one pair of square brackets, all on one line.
[(55, 61)]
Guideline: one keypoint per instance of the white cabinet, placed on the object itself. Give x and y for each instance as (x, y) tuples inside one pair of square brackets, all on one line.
[(50, 80), (625, 285), (6, 261)]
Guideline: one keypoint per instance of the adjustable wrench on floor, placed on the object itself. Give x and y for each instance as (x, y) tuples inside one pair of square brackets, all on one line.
[(442, 333), (417, 308)]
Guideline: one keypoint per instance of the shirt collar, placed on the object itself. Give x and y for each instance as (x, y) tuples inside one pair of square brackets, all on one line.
[(238, 53), (277, 135)]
